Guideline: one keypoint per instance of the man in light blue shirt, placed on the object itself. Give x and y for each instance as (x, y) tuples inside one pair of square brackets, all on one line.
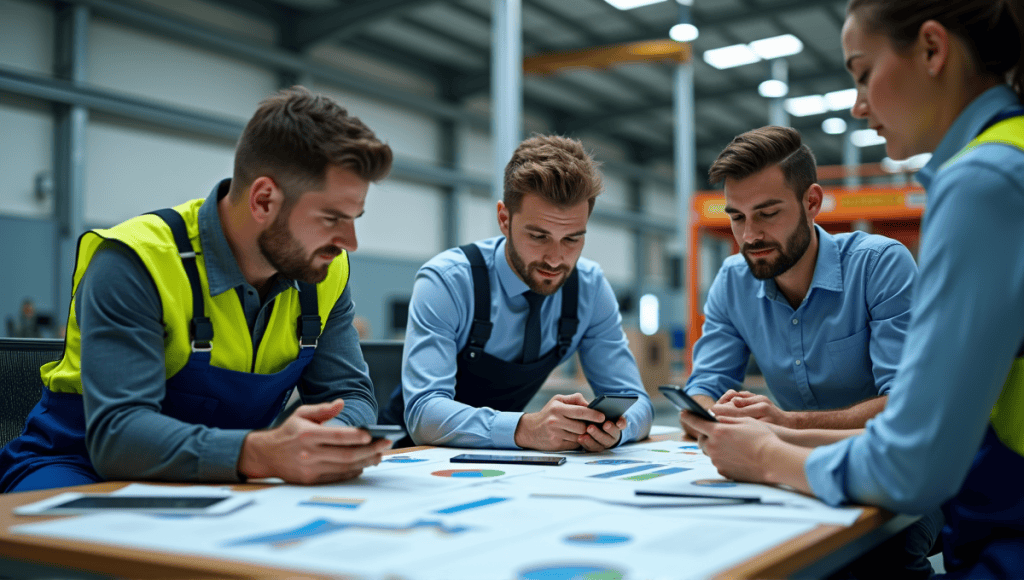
[(825, 316), (474, 354)]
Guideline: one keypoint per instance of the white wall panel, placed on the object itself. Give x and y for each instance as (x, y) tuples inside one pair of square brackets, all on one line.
[(132, 170), (660, 202), (612, 247), (26, 144), (26, 35), (478, 219), (402, 220), (476, 152), (614, 196), (155, 68), (410, 135)]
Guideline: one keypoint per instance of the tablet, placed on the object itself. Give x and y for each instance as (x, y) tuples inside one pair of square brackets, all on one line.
[(86, 503)]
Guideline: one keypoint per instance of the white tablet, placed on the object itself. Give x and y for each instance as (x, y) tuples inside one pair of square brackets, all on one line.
[(86, 503)]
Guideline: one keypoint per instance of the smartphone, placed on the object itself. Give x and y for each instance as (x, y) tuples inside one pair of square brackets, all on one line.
[(86, 503), (613, 406), (685, 402), (513, 459), (389, 432)]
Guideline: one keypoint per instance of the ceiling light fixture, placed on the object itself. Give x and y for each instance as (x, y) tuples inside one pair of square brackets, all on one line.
[(631, 4), (730, 56), (804, 106), (773, 89), (683, 33), (776, 46), (841, 100), (833, 126)]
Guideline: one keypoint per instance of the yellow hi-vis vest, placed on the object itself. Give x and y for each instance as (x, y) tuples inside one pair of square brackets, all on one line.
[(152, 241), (1007, 415)]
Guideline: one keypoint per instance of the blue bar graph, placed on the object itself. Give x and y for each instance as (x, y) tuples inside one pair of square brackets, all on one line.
[(471, 505), (627, 471)]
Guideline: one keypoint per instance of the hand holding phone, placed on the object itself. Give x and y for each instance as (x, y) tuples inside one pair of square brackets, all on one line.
[(685, 402), (389, 432)]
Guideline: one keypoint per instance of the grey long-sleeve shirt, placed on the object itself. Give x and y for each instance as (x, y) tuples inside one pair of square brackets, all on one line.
[(122, 352)]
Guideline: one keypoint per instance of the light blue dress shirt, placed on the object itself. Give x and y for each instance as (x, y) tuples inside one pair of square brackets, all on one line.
[(440, 315), (966, 325), (839, 347)]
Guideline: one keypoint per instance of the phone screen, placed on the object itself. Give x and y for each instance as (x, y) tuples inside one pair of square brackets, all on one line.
[(613, 406), (140, 502)]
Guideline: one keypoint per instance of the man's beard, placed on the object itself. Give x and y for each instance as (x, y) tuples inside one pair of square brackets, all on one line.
[(544, 286), (285, 253), (794, 249)]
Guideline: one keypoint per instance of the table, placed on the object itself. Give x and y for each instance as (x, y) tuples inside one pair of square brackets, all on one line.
[(813, 554)]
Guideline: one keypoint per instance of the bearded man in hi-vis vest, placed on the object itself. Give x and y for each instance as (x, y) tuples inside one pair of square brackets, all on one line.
[(189, 327)]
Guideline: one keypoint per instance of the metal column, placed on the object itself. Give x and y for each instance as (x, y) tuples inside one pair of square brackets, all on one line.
[(851, 157), (685, 169), (776, 112), (70, 123), (506, 85)]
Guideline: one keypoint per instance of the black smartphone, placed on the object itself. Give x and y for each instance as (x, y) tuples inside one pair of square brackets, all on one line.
[(613, 406), (685, 402), (389, 432), (513, 459)]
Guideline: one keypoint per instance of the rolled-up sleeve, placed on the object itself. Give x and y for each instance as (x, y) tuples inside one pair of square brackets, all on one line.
[(720, 355), (889, 294)]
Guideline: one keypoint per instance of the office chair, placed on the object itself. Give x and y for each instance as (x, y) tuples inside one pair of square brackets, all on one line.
[(20, 385), (384, 361)]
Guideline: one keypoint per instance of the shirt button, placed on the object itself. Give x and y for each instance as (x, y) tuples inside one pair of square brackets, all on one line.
[(795, 321), (798, 362)]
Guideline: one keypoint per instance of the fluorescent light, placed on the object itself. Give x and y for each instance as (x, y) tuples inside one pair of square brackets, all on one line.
[(649, 314), (631, 4), (683, 33), (866, 138), (833, 126), (841, 100), (804, 106), (776, 46), (773, 89), (730, 56)]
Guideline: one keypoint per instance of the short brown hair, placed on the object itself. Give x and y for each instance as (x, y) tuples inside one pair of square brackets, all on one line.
[(295, 135), (992, 30), (761, 148), (556, 168)]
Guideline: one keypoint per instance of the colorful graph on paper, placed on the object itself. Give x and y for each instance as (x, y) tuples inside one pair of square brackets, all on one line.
[(320, 527)]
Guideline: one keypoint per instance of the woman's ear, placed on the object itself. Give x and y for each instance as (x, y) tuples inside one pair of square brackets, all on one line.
[(933, 42)]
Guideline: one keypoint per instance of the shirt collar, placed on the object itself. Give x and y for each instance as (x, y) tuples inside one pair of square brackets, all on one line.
[(510, 282), (222, 271), (966, 127), (828, 272)]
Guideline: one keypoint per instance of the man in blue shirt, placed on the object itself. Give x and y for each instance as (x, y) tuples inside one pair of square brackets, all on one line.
[(489, 321), (824, 315)]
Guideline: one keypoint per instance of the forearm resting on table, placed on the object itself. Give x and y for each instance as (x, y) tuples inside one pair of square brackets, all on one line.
[(783, 464), (814, 437), (848, 418)]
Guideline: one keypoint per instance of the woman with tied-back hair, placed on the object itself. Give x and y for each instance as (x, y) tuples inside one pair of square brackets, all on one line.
[(944, 78)]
